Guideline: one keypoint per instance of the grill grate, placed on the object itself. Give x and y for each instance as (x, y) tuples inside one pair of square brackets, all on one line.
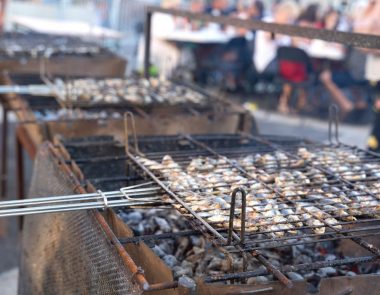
[(297, 192), (175, 96)]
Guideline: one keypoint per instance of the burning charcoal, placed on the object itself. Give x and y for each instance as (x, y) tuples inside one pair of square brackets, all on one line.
[(330, 257), (257, 280), (134, 217), (167, 246), (198, 253), (186, 282), (215, 263), (170, 260), (202, 265), (183, 245), (294, 276), (326, 271), (139, 229), (309, 275), (163, 224), (158, 251), (180, 271), (197, 241), (123, 216)]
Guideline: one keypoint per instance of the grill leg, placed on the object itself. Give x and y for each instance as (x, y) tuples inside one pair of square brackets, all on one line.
[(3, 169), (4, 152), (20, 174)]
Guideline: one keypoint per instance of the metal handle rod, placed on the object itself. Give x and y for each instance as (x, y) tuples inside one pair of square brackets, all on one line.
[(72, 207), (140, 194), (38, 90), (63, 199), (80, 197)]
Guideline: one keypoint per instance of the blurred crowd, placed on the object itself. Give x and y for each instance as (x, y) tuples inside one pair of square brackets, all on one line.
[(301, 66)]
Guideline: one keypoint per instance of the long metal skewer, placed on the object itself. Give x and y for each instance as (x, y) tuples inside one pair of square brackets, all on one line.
[(127, 196), (37, 90)]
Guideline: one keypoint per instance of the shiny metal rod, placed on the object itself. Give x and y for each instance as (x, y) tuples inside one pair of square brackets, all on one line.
[(37, 90), (127, 196)]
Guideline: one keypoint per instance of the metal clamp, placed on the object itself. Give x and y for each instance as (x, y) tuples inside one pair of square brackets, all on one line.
[(139, 271), (105, 200), (126, 132), (334, 120), (232, 213)]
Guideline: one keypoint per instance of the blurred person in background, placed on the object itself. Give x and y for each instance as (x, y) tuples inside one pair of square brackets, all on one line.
[(219, 7), (295, 71), (369, 23), (196, 6), (256, 9), (266, 43), (3, 5), (340, 75), (236, 55)]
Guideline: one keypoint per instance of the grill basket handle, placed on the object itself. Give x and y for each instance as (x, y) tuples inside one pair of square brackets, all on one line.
[(126, 132), (232, 213)]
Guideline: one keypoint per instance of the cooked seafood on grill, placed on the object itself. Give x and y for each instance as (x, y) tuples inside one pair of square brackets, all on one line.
[(33, 45), (135, 91), (283, 194)]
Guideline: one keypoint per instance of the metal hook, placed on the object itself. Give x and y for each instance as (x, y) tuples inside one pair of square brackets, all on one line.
[(334, 119), (126, 133), (124, 192), (232, 213), (105, 201)]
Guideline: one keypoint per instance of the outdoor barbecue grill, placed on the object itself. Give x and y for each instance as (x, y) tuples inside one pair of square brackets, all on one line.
[(327, 210), (305, 219), (43, 116), (23, 53)]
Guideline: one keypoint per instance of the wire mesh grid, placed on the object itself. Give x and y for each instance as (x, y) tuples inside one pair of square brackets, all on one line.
[(293, 192)]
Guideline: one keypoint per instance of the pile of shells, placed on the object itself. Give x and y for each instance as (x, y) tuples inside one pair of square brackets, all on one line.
[(135, 91), (273, 203)]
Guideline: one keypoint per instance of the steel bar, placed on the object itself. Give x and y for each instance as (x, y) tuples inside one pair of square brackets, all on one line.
[(292, 268), (36, 90), (158, 237), (345, 38), (125, 197), (4, 152), (73, 207), (349, 39), (148, 37), (277, 245)]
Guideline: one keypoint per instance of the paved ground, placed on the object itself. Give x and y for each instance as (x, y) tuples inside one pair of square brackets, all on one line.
[(268, 123), (276, 124), (8, 282)]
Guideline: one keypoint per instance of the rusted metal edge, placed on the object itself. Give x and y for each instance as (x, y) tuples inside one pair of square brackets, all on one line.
[(292, 268), (352, 39)]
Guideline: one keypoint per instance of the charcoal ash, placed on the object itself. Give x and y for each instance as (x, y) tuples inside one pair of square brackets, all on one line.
[(194, 256)]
